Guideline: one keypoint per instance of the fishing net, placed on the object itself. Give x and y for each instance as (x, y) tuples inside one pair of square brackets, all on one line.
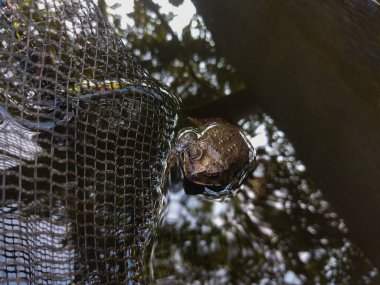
[(84, 137)]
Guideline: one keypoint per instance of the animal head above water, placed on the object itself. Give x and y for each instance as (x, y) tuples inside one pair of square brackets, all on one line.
[(218, 155)]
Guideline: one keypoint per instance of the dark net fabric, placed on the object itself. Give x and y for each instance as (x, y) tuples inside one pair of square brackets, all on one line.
[(84, 138)]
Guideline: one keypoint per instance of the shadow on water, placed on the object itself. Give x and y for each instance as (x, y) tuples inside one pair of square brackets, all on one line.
[(277, 230)]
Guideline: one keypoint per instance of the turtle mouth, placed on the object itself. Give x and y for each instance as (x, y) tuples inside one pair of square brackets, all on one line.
[(210, 180)]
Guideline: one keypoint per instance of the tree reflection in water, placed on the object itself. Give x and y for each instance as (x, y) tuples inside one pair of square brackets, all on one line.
[(276, 230)]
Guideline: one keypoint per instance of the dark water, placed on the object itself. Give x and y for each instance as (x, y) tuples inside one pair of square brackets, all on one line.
[(277, 230)]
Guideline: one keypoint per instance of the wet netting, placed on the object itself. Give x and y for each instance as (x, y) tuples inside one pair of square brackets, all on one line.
[(84, 138)]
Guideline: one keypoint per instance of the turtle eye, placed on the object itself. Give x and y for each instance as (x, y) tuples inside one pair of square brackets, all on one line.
[(194, 152)]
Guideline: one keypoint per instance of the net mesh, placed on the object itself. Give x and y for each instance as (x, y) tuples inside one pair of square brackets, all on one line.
[(84, 137)]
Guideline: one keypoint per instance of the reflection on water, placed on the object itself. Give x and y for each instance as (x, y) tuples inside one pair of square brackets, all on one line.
[(277, 230), (17, 143), (37, 239)]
